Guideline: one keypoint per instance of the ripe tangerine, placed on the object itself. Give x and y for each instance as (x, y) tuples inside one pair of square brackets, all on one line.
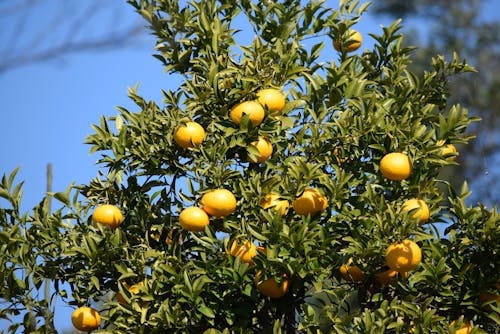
[(273, 201), (265, 149), (133, 289), (272, 99), (271, 288), (395, 166), (351, 272), (108, 215), (247, 250), (193, 219), (86, 319), (310, 202), (253, 109), (353, 42), (449, 152), (189, 135), (218, 202), (422, 212), (403, 256)]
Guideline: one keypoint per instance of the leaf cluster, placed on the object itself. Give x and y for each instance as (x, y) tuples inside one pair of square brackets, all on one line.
[(341, 117)]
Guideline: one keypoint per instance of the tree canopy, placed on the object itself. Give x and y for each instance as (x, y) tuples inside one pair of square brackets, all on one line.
[(319, 213)]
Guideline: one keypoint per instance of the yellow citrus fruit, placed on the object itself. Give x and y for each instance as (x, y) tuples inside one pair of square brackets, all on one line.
[(270, 287), (273, 201), (265, 150), (353, 42), (133, 289), (351, 272), (108, 215), (247, 250), (395, 166), (253, 109), (86, 319), (219, 202), (310, 202), (189, 135), (421, 213), (449, 152), (272, 99), (193, 219), (465, 328), (403, 256)]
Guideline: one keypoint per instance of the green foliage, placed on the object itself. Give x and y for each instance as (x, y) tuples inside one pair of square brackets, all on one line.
[(469, 28), (342, 116)]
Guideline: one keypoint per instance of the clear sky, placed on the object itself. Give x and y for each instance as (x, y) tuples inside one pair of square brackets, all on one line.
[(47, 109)]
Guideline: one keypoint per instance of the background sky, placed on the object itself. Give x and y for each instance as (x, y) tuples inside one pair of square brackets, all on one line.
[(47, 108)]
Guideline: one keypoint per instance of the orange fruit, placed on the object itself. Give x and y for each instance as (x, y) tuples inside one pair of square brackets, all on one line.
[(219, 202), (353, 42), (404, 256), (270, 287), (351, 272), (133, 289), (86, 319), (265, 150), (272, 99), (168, 241), (273, 201), (389, 276), (448, 152), (465, 328), (310, 202), (155, 234), (246, 251), (108, 215), (193, 219), (253, 109), (421, 213), (190, 134), (395, 166)]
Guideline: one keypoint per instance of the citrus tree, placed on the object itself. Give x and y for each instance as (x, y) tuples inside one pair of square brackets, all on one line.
[(287, 184)]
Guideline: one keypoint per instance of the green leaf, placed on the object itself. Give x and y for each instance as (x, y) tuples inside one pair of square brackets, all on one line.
[(95, 282), (63, 198), (206, 311)]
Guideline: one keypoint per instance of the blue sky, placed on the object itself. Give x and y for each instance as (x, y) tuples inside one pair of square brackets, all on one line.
[(47, 111), (48, 108)]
